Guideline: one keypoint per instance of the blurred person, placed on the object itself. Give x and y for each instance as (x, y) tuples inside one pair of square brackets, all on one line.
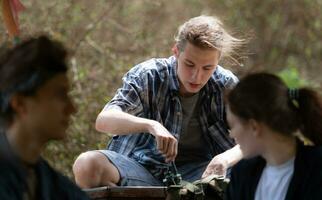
[(168, 110), (272, 124), (34, 108)]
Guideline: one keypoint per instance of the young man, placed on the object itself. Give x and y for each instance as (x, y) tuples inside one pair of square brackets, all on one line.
[(34, 108), (169, 109)]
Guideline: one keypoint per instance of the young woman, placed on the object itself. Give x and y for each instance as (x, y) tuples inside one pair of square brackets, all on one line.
[(269, 122)]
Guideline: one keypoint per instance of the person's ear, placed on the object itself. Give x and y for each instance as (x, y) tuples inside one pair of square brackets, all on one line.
[(175, 50), (18, 104), (255, 127)]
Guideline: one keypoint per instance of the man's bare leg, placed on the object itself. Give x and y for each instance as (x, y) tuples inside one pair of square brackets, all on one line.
[(93, 169)]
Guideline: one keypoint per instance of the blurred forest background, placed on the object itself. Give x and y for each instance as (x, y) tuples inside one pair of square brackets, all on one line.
[(107, 37)]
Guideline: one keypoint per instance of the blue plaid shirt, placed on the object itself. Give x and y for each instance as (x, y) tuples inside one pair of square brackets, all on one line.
[(151, 90)]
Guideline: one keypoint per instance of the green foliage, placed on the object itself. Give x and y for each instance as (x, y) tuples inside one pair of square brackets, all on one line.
[(292, 78)]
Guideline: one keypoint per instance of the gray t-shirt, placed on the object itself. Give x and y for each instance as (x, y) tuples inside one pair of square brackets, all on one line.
[(192, 146), (274, 181)]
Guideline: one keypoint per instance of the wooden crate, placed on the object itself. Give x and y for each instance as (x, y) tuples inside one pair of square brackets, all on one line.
[(141, 193), (128, 192)]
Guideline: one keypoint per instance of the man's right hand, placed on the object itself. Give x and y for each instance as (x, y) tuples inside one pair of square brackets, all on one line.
[(167, 144)]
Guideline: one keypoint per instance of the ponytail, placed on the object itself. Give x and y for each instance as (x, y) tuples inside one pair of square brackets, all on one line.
[(310, 111)]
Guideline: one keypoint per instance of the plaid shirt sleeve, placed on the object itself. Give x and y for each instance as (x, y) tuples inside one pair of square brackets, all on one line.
[(129, 96), (225, 76)]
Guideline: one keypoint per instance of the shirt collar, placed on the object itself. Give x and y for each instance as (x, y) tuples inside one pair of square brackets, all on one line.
[(174, 81)]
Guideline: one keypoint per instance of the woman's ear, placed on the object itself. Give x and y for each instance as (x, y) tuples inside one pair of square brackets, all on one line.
[(255, 127)]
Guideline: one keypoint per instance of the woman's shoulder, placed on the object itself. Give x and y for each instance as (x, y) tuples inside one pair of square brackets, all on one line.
[(312, 153)]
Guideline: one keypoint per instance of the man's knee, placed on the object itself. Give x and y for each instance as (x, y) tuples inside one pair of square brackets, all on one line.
[(85, 162), (92, 169), (87, 168)]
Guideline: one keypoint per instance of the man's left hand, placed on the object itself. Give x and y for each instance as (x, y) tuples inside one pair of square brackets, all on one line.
[(218, 165)]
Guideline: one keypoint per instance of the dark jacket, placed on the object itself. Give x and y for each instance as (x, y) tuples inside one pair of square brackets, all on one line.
[(306, 182), (50, 184)]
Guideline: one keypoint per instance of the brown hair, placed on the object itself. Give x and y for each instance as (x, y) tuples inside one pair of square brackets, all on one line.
[(265, 98)]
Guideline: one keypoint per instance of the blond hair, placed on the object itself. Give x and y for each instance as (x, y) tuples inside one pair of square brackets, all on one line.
[(207, 32)]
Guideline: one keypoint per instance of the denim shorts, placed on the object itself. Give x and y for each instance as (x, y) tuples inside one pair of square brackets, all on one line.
[(192, 171), (131, 172)]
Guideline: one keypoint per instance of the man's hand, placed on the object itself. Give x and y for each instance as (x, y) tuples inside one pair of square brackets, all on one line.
[(218, 165), (166, 143), (117, 122)]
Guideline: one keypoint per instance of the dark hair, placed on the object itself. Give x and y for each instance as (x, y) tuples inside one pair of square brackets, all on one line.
[(264, 97), (26, 67)]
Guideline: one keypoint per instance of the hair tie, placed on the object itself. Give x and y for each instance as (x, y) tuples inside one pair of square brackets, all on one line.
[(294, 95)]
